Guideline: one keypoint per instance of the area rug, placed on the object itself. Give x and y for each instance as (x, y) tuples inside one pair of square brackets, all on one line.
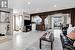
[(3, 39)]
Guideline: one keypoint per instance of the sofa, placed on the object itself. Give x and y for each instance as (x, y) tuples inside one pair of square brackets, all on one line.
[(67, 42), (64, 30)]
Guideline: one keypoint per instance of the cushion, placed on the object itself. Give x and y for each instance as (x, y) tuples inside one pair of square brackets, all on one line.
[(71, 35), (70, 29)]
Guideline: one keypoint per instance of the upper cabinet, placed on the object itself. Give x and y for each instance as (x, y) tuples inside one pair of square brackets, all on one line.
[(3, 3)]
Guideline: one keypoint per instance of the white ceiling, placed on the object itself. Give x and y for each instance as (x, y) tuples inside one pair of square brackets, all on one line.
[(37, 6)]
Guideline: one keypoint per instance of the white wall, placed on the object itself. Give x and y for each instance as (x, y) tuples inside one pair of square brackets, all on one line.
[(33, 27), (68, 19)]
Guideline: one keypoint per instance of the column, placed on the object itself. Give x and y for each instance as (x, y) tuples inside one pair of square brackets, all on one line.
[(42, 25)]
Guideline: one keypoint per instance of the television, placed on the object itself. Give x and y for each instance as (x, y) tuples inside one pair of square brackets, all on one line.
[(27, 22)]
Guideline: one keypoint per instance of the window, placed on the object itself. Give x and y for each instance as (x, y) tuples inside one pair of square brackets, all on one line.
[(4, 4)]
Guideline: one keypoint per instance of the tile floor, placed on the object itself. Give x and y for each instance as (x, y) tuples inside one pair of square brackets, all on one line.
[(23, 40)]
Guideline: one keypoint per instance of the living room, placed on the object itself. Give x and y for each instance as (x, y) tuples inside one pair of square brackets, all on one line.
[(37, 25)]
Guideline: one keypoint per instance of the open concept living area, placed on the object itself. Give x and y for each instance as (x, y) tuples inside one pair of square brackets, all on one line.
[(37, 24)]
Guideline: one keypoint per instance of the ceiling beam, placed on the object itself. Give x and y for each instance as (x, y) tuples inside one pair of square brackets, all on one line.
[(63, 11)]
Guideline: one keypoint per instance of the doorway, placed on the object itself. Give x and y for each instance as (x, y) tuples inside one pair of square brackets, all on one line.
[(57, 21)]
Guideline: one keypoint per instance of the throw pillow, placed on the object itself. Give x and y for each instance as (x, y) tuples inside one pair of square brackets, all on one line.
[(71, 35)]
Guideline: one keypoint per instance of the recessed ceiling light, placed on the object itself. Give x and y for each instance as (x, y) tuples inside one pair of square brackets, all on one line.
[(29, 3), (55, 6)]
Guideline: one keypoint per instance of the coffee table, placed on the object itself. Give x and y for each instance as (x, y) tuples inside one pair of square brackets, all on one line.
[(50, 39)]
